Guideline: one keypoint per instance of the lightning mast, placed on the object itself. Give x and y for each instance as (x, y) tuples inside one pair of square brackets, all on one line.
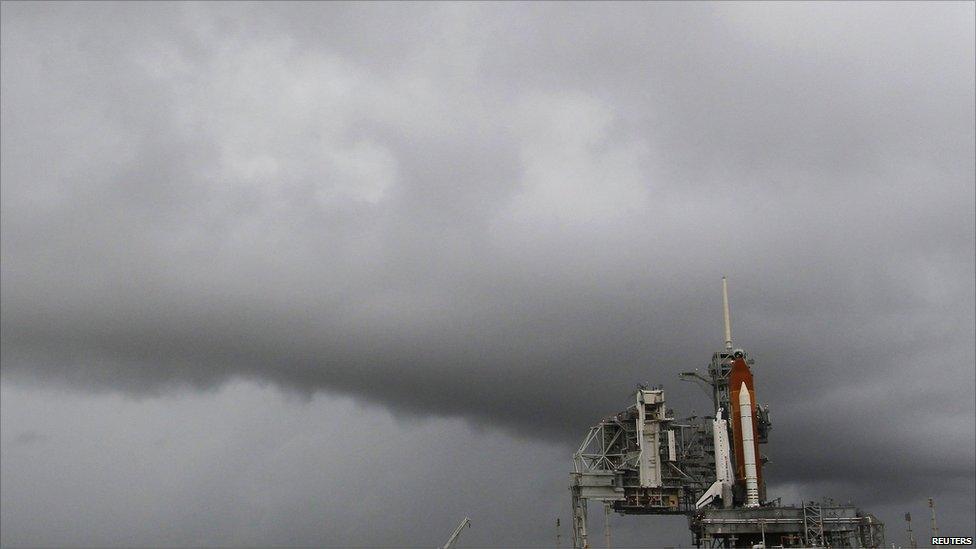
[(725, 309)]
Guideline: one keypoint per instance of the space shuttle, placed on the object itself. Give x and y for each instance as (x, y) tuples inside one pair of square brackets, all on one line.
[(742, 423)]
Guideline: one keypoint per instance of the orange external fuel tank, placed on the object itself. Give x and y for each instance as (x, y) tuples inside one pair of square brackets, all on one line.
[(741, 374)]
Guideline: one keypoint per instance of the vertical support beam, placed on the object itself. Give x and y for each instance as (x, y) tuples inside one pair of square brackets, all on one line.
[(606, 523), (813, 524), (650, 414), (672, 449), (579, 518)]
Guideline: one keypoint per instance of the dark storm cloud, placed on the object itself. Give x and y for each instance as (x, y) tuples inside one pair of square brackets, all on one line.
[(509, 213)]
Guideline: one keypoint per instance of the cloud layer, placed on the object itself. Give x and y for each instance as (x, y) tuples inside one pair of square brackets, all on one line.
[(509, 214)]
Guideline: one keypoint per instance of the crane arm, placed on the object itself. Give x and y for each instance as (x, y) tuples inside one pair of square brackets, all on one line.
[(457, 532)]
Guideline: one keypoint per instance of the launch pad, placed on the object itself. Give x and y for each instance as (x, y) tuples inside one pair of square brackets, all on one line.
[(645, 461), (812, 525)]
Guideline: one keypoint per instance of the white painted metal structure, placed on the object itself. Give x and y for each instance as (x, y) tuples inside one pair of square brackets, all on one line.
[(633, 460), (650, 409)]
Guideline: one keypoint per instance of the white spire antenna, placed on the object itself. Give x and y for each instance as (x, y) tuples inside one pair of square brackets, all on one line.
[(728, 322)]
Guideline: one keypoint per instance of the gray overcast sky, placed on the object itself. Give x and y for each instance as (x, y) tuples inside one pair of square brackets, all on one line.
[(343, 273)]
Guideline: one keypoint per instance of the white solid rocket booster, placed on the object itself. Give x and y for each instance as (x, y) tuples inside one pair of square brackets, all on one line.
[(748, 447)]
